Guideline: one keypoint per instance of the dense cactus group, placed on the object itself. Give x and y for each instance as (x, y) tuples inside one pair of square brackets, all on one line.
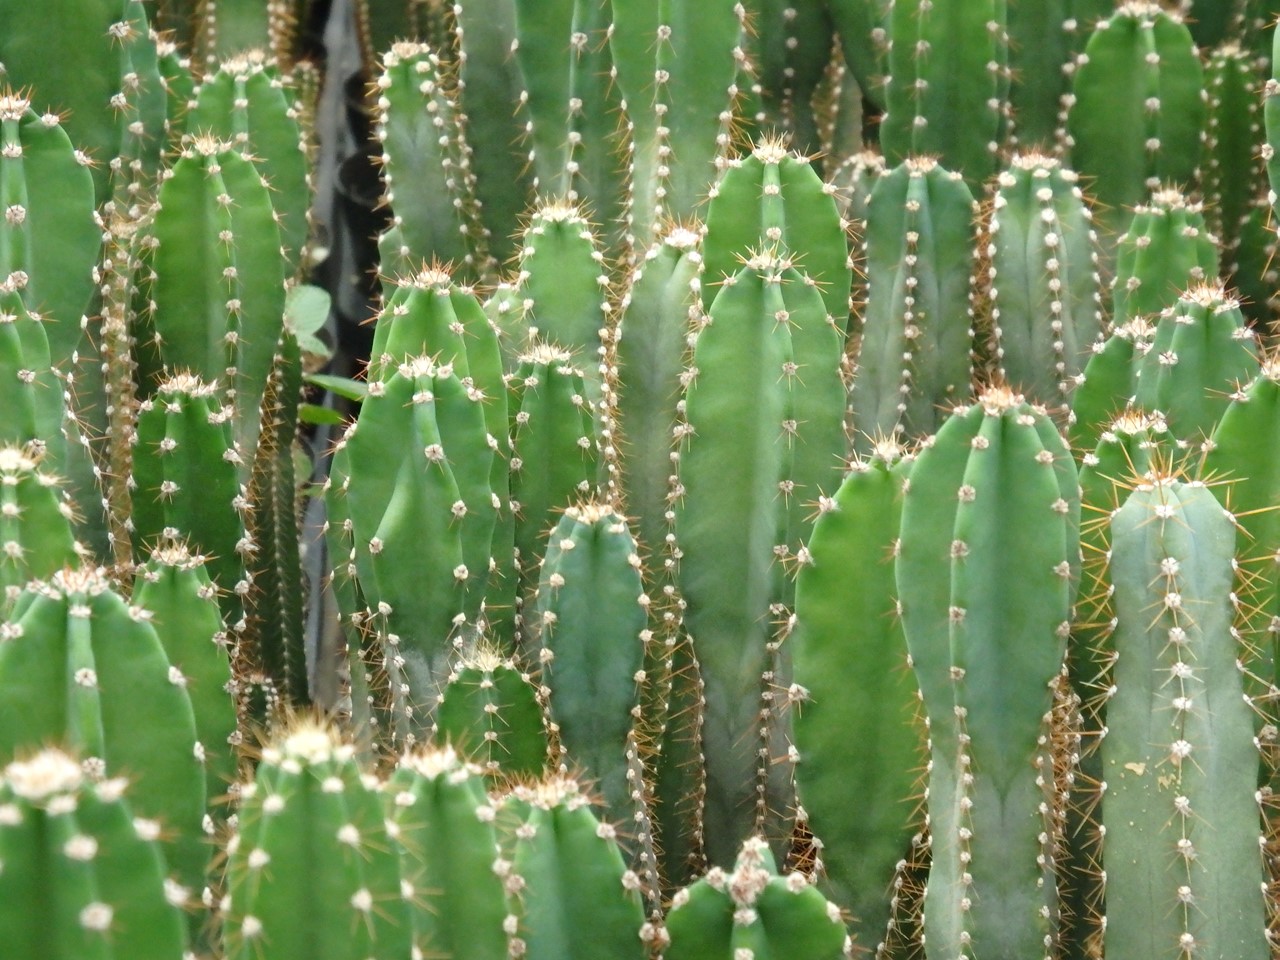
[(806, 484)]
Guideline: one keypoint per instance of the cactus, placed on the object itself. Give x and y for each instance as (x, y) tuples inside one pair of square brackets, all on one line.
[(987, 571), (1137, 108), (751, 911), (491, 712), (679, 67), (185, 483), (36, 540), (216, 297), (573, 895), (247, 103), (1184, 871), (173, 586), (913, 355), (81, 667), (457, 903), (426, 164), (946, 59), (1044, 292), (592, 621), (82, 876), (746, 472), (310, 803), (857, 755), (1166, 249)]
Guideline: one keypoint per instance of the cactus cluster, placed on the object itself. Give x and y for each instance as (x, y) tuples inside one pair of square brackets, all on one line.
[(639, 478)]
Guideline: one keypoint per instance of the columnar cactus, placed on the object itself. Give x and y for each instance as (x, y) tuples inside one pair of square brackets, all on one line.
[(745, 472), (946, 58), (81, 667), (1137, 107), (457, 903), (1184, 870), (592, 626), (987, 572), (751, 911), (572, 893), (83, 878), (310, 804), (857, 738), (36, 540), (916, 336), (1043, 290)]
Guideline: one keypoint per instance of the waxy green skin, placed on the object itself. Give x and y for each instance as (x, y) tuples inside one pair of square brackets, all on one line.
[(1139, 54), (1233, 167), (458, 903), (83, 668), (913, 358), (862, 26), (858, 755), (745, 472), (186, 487), (946, 60), (426, 164), (676, 61), (36, 539), (1103, 391), (217, 305), (592, 624), (82, 879), (107, 40), (1044, 294), (650, 343), (173, 586), (554, 454), (573, 137), (1166, 250), (311, 804), (578, 899), (246, 103), (786, 915), (1241, 454), (435, 486), (987, 572), (1201, 352), (492, 713), (1183, 823)]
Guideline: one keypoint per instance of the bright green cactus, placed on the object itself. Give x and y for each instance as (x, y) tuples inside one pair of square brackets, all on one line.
[(762, 437), (1044, 293), (426, 164), (914, 344), (1166, 249), (310, 804), (247, 103), (751, 911), (493, 713), (572, 894), (216, 295), (1137, 108), (946, 59), (1183, 843), (592, 627), (83, 878), (857, 735), (186, 483), (36, 539), (553, 452), (679, 64), (987, 571), (571, 105), (458, 901), (81, 667), (173, 586)]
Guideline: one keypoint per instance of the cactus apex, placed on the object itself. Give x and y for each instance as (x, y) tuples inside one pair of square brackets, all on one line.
[(43, 776)]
